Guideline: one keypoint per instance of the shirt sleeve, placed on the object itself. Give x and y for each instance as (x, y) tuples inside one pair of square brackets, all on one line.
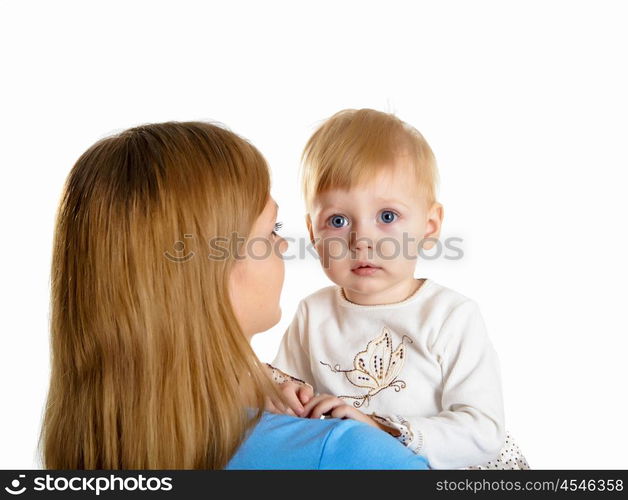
[(355, 445), (293, 356), (470, 428)]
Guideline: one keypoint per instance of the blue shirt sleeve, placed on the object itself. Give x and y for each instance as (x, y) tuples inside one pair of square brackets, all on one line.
[(356, 445)]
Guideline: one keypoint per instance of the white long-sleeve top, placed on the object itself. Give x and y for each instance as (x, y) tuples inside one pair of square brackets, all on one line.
[(424, 366)]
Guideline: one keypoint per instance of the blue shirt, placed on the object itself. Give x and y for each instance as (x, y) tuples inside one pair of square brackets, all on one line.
[(285, 442)]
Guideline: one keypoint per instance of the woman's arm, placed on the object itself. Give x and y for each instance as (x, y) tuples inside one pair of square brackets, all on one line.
[(354, 445)]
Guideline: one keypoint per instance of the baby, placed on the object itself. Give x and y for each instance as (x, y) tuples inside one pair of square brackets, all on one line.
[(409, 356)]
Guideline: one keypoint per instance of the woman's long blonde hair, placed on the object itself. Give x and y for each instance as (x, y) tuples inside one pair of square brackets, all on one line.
[(150, 368)]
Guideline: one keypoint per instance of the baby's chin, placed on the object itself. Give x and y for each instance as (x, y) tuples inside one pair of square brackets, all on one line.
[(368, 284)]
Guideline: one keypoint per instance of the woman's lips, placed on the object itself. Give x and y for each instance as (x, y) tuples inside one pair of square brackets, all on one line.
[(365, 270)]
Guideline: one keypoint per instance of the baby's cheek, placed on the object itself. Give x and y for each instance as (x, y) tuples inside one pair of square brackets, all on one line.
[(332, 254), (389, 249), (411, 248), (332, 249)]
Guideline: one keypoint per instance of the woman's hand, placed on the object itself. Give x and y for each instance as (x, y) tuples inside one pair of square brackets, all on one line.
[(296, 394), (325, 404)]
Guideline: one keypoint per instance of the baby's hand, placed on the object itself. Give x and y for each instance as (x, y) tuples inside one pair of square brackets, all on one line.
[(324, 404), (296, 395)]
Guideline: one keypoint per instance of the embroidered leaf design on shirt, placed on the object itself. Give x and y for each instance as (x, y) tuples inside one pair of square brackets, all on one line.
[(376, 368)]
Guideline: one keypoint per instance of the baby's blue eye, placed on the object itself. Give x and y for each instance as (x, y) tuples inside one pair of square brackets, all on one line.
[(388, 216), (338, 221)]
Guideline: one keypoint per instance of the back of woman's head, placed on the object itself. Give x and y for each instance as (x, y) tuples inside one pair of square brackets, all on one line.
[(147, 354)]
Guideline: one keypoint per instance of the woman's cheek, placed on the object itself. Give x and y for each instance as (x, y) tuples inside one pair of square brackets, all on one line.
[(280, 271), (259, 249)]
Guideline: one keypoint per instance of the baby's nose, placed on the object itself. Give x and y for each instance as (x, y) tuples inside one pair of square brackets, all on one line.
[(361, 238), (362, 243)]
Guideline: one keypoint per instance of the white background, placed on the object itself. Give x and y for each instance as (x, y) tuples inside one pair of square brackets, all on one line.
[(524, 104)]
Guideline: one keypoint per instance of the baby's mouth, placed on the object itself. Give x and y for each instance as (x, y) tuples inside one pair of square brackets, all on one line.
[(365, 269), (364, 263)]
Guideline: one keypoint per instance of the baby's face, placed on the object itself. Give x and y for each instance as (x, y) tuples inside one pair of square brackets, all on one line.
[(368, 237)]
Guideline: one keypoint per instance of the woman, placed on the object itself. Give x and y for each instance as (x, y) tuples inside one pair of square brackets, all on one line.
[(151, 360)]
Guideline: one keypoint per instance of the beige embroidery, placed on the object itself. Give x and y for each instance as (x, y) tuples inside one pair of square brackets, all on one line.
[(375, 368)]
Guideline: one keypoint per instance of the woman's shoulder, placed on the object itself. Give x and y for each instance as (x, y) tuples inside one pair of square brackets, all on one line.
[(282, 442), (355, 445), (286, 442)]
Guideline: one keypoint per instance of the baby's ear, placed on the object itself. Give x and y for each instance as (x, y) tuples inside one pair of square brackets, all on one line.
[(434, 224), (308, 223)]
